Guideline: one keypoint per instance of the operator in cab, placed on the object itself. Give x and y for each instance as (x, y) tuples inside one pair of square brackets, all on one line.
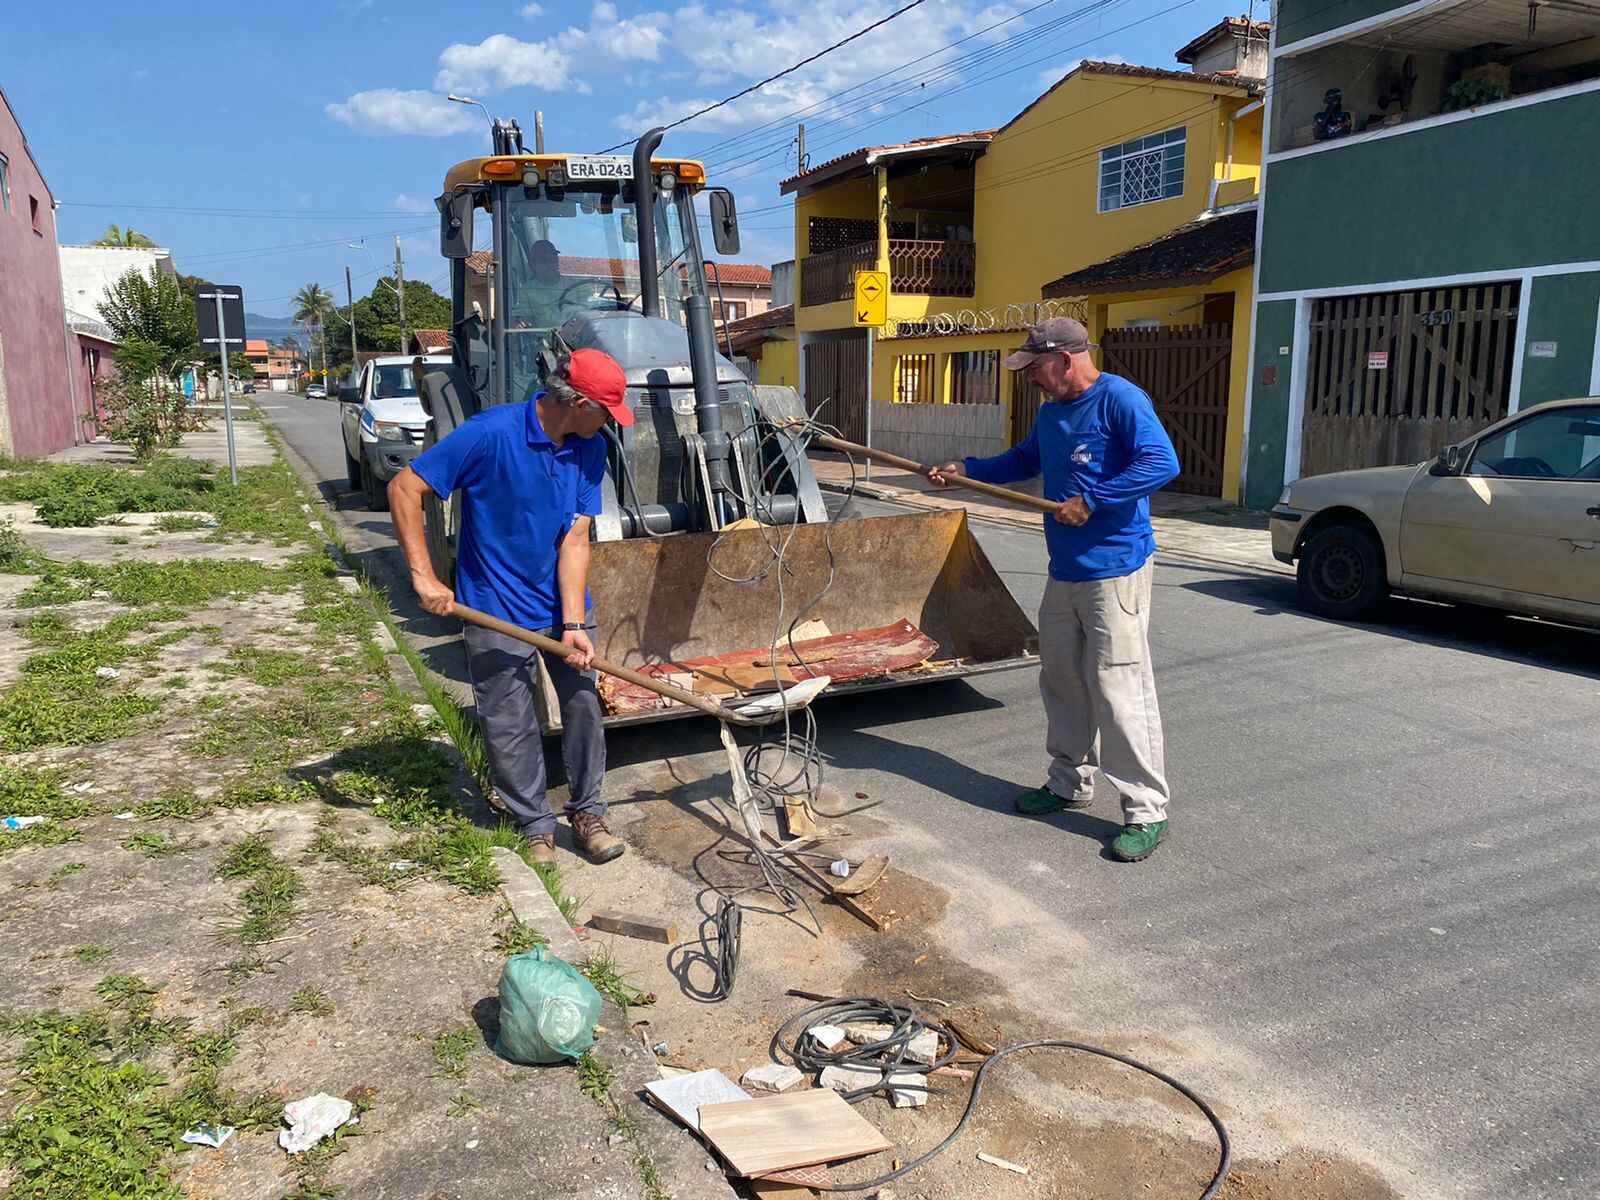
[(529, 478), (536, 297)]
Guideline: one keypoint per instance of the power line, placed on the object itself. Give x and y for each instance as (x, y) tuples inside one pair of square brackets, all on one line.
[(789, 70), (255, 214)]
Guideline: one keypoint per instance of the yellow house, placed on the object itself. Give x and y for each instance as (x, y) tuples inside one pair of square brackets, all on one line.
[(972, 227)]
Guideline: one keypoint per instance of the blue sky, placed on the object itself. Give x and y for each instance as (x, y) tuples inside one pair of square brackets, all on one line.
[(257, 142)]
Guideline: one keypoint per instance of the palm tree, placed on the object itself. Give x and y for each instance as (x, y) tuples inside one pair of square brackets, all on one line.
[(130, 237), (311, 308)]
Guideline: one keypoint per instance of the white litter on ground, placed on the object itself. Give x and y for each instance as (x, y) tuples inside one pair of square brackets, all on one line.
[(312, 1119)]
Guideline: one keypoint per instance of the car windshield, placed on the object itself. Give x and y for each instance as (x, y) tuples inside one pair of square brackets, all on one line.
[(393, 379)]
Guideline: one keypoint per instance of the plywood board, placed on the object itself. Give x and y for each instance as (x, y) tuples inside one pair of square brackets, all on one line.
[(685, 1096), (776, 1133)]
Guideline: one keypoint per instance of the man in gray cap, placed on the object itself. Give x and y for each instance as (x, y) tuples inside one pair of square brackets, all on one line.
[(1101, 449)]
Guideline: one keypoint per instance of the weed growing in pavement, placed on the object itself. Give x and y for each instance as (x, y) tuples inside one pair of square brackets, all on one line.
[(269, 899), (182, 523), (63, 872), (600, 968), (594, 1077), (180, 803), (91, 1117), (333, 844), (50, 833), (247, 966), (16, 556), (189, 583), (155, 845), (25, 792), (75, 494), (312, 1001), (269, 668), (461, 1104), (514, 937), (450, 1050), (90, 954)]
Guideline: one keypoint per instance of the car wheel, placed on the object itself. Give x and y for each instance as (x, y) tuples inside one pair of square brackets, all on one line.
[(377, 493), (1341, 573), (352, 472)]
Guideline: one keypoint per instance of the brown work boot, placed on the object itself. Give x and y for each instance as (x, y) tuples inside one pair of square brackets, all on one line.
[(541, 848), (590, 834)]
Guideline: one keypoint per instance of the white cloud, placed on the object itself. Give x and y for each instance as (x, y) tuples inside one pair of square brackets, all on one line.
[(564, 61), (530, 11), (411, 204), (391, 110)]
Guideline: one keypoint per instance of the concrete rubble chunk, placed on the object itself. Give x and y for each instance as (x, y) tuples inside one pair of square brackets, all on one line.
[(924, 1048), (826, 1036), (864, 1033), (849, 1079), (911, 1091), (771, 1077)]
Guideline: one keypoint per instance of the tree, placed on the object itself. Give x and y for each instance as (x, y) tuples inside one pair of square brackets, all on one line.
[(377, 316), (289, 342), (311, 308), (150, 307), (115, 235)]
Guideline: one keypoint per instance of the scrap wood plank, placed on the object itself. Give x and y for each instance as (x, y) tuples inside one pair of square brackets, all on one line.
[(795, 1129), (864, 876), (633, 925), (772, 1189)]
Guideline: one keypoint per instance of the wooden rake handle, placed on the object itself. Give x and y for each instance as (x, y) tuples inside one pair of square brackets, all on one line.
[(905, 464), (649, 682)]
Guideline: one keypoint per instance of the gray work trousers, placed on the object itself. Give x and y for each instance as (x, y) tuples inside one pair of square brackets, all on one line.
[(505, 675), (1099, 692)]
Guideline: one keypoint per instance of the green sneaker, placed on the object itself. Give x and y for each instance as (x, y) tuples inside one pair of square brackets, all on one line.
[(1137, 842), (1042, 801)]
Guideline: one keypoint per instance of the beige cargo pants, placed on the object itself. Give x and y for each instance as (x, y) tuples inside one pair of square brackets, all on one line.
[(1099, 692)]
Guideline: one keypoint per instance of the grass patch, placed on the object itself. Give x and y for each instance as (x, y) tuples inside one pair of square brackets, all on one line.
[(269, 668), (66, 494), (188, 583), (312, 1001), (93, 1116), (25, 792), (594, 1077), (155, 845), (90, 954), (450, 1050), (269, 900), (182, 523), (16, 556), (514, 937), (50, 833), (600, 968), (180, 803)]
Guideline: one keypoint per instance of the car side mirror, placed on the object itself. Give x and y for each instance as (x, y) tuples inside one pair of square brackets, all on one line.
[(455, 224), (1448, 462), (349, 394), (724, 221)]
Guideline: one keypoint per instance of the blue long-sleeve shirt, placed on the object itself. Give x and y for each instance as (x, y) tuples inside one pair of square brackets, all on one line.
[(1107, 446)]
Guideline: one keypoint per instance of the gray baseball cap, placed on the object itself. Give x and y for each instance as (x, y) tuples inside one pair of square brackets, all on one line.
[(1058, 335)]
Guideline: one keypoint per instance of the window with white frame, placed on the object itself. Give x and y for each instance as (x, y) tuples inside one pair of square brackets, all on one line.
[(1145, 169), (5, 184)]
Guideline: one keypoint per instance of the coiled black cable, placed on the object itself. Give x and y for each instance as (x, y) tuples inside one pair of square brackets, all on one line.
[(790, 1041)]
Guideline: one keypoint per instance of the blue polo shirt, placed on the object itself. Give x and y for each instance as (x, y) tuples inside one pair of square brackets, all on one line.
[(520, 494), (1109, 447)]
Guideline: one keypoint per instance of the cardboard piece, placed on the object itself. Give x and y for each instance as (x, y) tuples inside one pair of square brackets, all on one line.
[(774, 1133)]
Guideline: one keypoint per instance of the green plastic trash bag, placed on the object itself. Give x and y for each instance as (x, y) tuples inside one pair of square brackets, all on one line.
[(547, 1010)]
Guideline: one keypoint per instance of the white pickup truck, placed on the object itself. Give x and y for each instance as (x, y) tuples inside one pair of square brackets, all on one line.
[(383, 423)]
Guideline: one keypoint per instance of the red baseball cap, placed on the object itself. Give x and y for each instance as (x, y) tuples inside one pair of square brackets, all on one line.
[(599, 377)]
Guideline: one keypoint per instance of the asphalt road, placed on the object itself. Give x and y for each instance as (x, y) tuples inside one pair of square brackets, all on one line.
[(1375, 929)]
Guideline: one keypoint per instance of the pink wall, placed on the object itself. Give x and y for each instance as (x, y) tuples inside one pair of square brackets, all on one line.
[(92, 362), (33, 336)]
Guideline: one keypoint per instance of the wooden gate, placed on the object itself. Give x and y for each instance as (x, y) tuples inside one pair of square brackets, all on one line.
[(1184, 370), (1394, 377), (836, 385)]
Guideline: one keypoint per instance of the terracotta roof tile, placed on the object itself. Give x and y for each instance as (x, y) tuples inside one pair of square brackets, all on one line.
[(1241, 25), (1191, 254), (433, 339), (866, 153)]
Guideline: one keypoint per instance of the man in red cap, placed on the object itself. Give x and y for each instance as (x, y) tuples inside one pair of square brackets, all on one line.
[(529, 478)]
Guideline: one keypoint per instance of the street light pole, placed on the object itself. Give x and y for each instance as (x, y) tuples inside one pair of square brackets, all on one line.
[(350, 310)]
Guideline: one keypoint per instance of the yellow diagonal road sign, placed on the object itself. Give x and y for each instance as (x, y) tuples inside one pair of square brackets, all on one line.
[(872, 298)]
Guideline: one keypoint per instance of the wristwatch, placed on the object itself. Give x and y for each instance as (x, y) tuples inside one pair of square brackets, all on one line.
[(571, 626)]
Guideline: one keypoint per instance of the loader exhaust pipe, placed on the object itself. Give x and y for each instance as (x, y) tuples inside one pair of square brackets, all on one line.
[(644, 203), (708, 407)]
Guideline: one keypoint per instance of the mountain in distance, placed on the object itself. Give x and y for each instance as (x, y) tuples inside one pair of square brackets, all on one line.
[(274, 329)]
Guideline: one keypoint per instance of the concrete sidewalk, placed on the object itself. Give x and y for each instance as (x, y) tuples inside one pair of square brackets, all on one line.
[(1197, 527)]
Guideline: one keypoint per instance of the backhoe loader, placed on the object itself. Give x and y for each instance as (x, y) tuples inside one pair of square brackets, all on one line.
[(605, 252)]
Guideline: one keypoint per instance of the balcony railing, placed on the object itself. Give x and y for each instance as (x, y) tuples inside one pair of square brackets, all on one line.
[(917, 267)]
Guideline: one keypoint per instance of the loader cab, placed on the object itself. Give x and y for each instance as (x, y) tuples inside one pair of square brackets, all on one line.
[(564, 243)]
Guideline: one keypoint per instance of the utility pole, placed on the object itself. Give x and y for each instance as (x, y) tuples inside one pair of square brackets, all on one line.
[(400, 290), (538, 131), (800, 154), (350, 313)]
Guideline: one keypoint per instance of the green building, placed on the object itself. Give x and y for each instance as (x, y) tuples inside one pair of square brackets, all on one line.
[(1428, 255)]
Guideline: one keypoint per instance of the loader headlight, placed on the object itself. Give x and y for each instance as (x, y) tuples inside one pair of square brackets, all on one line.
[(389, 431)]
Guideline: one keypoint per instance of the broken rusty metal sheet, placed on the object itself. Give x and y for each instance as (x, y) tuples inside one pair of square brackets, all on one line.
[(860, 654)]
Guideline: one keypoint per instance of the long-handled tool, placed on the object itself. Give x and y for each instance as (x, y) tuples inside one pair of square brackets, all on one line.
[(764, 708), (827, 442)]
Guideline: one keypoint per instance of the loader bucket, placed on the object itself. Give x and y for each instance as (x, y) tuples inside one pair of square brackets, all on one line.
[(913, 599)]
